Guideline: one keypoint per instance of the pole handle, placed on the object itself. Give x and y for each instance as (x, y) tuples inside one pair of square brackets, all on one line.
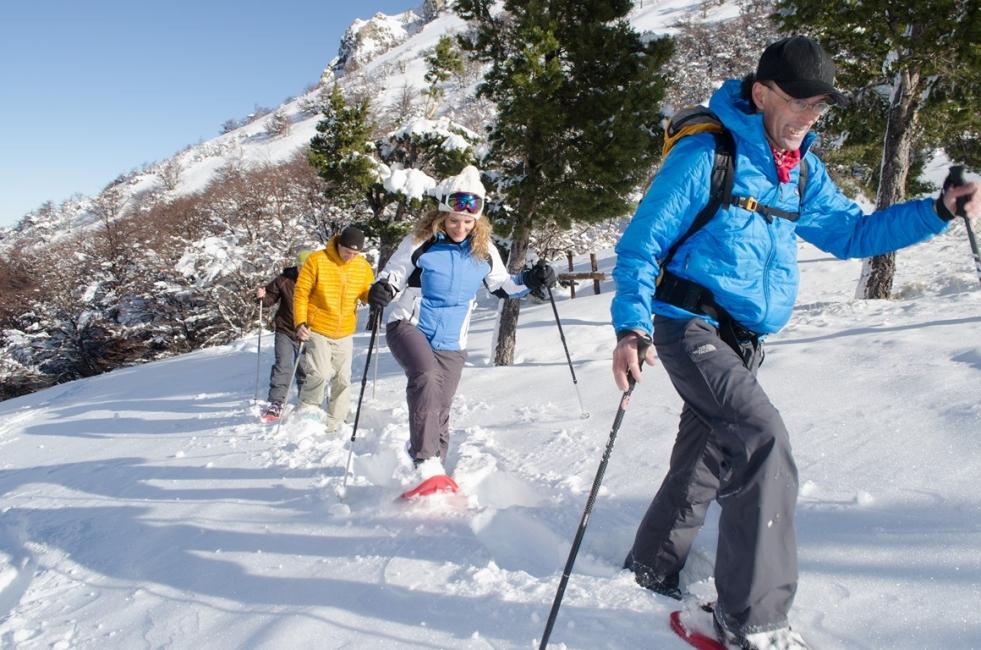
[(955, 178)]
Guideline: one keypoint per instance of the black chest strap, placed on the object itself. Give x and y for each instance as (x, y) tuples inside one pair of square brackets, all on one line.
[(751, 204)]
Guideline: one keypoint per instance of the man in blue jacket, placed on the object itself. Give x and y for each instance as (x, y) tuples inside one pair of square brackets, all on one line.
[(726, 286)]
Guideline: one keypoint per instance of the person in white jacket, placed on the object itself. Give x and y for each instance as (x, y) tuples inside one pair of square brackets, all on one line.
[(436, 272)]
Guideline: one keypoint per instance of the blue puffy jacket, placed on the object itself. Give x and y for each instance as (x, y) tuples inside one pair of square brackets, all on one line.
[(749, 264), (438, 280)]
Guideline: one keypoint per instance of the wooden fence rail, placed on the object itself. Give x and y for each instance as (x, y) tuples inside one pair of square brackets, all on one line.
[(570, 277)]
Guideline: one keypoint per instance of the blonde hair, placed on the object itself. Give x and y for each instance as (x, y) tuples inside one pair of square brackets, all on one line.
[(480, 237)]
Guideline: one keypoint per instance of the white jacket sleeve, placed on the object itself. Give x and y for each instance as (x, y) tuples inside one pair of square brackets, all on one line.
[(501, 283), (399, 266)]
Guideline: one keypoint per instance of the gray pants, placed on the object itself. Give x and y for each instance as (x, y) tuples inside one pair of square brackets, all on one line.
[(279, 377), (433, 378), (732, 446)]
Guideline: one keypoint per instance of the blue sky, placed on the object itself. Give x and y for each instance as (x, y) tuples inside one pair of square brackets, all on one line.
[(90, 90)]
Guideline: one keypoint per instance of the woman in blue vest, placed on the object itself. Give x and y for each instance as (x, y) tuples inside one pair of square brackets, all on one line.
[(435, 274)]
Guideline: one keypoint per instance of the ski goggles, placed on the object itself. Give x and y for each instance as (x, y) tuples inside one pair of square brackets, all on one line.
[(465, 202)]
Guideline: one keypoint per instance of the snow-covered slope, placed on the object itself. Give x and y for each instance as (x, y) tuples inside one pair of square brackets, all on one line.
[(382, 57), (148, 508)]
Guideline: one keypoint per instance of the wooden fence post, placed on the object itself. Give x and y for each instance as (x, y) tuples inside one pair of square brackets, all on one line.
[(593, 275), (572, 283), (594, 268)]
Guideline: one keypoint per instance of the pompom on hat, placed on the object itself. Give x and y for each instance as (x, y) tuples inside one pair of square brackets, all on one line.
[(467, 182), (301, 258)]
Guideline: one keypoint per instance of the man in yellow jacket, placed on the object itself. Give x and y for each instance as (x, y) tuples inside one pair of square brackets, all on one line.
[(325, 300)]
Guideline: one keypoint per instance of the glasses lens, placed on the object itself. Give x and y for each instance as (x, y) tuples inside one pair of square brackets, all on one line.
[(799, 106), (464, 202)]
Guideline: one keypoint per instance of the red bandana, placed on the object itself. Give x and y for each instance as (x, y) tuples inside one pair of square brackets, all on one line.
[(785, 160)]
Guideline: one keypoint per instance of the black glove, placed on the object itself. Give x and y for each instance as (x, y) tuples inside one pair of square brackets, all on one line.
[(954, 179), (380, 294), (540, 275)]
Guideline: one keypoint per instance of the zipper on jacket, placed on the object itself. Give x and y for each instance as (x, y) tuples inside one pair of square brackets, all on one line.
[(766, 271)]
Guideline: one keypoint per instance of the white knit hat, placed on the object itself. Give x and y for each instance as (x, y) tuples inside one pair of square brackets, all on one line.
[(467, 181)]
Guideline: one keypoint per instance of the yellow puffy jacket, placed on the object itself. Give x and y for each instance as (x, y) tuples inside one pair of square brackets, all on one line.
[(328, 289)]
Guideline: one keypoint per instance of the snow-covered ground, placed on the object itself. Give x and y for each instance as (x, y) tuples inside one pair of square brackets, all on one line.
[(148, 507)]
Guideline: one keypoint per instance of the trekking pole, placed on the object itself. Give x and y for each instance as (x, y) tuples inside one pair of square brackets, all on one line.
[(974, 246), (956, 178), (357, 413), (583, 413), (374, 374), (296, 364), (258, 353), (574, 551)]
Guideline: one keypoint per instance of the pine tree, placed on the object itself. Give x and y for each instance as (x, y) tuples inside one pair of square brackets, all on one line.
[(915, 72), (444, 62), (418, 144), (279, 123), (344, 156), (354, 167), (578, 94), (341, 152)]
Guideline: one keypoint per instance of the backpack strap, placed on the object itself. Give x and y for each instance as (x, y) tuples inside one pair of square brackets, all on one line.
[(720, 190), (695, 298), (689, 121), (802, 175), (415, 278), (698, 119)]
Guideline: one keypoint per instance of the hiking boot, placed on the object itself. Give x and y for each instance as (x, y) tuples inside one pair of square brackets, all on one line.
[(273, 410), (780, 639), (646, 578)]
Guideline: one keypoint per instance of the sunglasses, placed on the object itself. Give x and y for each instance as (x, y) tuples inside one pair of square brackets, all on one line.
[(464, 202)]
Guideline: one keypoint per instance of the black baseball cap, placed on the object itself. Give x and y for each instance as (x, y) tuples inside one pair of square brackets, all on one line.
[(351, 237), (801, 68)]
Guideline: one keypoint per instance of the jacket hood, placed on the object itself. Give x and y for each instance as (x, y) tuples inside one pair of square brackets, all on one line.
[(330, 250), (746, 124)]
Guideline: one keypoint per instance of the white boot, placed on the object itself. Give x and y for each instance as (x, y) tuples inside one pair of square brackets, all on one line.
[(430, 467)]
